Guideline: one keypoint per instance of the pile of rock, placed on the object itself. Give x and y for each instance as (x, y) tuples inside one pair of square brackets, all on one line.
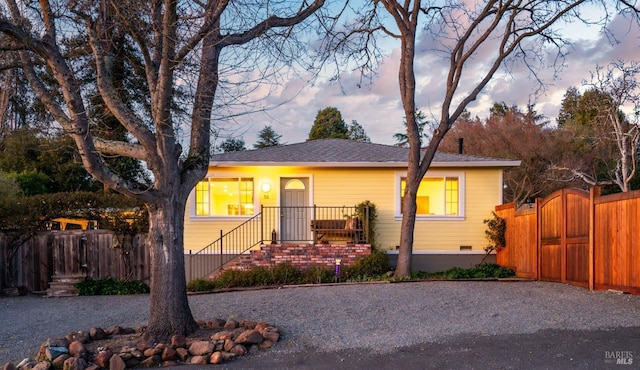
[(120, 348)]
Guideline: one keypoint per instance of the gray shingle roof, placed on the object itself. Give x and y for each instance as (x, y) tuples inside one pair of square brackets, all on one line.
[(342, 153)]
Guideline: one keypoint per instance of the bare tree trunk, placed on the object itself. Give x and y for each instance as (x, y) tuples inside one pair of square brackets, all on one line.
[(405, 252), (510, 22), (169, 306), (407, 82)]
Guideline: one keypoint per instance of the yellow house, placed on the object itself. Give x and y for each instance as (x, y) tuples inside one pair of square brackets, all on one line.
[(287, 186)]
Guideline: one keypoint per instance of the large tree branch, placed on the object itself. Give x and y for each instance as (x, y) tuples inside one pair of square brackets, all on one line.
[(211, 24), (212, 45), (110, 96), (577, 174), (270, 23), (511, 39), (121, 148)]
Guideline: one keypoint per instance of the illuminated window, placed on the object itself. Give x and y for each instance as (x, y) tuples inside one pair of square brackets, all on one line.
[(437, 196), (224, 197), (203, 199)]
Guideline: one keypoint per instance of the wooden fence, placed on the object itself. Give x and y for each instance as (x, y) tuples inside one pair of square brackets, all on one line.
[(93, 253), (576, 237), (521, 253)]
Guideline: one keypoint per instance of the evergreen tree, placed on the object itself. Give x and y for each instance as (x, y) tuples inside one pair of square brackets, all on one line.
[(357, 133), (267, 137), (329, 124), (232, 145), (402, 139)]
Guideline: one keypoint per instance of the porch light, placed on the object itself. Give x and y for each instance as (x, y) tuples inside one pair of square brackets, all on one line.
[(265, 187)]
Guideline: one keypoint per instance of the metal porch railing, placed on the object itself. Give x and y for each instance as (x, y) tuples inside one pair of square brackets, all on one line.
[(282, 225)]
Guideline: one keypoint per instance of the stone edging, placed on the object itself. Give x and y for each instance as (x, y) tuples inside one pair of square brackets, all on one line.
[(120, 348)]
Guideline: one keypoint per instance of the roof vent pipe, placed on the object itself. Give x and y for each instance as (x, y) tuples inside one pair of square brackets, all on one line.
[(460, 145)]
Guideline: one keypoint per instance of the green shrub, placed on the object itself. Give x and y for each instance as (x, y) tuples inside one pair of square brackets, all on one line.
[(201, 285), (493, 270), (111, 286), (368, 268), (284, 273), (484, 271), (372, 219), (233, 279), (423, 275), (279, 274), (457, 273), (375, 264), (318, 275), (258, 276)]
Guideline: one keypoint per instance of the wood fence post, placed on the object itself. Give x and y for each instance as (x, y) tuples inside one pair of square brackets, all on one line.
[(594, 192), (537, 231)]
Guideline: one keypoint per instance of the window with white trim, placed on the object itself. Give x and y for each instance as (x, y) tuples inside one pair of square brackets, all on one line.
[(224, 197), (439, 195)]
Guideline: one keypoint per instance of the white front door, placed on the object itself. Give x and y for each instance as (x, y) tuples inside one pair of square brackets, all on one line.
[(295, 220)]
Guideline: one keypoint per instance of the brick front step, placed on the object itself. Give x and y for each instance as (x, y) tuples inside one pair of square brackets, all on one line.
[(302, 256)]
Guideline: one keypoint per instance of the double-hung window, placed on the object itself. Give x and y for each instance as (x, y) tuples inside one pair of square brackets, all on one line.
[(440, 195), (225, 197)]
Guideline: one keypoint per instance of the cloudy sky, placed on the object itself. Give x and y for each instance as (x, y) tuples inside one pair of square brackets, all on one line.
[(377, 108)]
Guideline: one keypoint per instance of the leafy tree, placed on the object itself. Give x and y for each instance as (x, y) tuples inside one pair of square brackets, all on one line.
[(570, 111), (19, 107), (402, 139), (329, 124), (43, 164), (516, 135), (499, 109), (357, 133), (232, 145), (8, 186), (128, 87), (176, 44), (31, 182), (267, 137), (605, 138)]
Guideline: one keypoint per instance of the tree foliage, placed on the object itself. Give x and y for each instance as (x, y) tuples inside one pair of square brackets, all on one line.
[(232, 145), (19, 106), (329, 125), (112, 211), (267, 137), (42, 163), (510, 133), (606, 138), (357, 133), (424, 130), (9, 187)]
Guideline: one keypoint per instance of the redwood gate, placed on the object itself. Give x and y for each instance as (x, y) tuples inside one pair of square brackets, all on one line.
[(564, 237)]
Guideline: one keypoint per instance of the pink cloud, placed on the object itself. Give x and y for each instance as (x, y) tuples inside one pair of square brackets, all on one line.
[(378, 109)]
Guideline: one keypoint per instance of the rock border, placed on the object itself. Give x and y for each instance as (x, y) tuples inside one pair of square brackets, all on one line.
[(215, 342)]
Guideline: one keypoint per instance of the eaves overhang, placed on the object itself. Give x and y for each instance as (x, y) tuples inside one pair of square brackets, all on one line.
[(474, 164)]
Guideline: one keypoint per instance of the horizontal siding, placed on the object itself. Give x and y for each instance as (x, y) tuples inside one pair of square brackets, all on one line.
[(336, 187), (482, 193)]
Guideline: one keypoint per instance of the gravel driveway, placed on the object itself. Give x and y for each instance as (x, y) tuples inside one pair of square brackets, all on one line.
[(376, 317)]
